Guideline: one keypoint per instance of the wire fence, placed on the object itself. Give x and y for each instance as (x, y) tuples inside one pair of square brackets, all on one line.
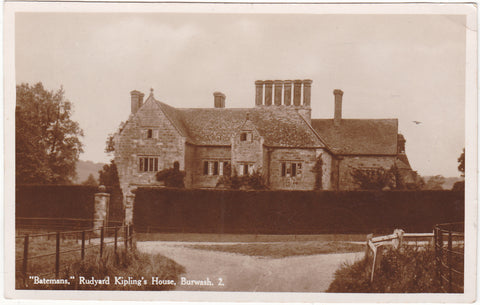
[(44, 254), (449, 256)]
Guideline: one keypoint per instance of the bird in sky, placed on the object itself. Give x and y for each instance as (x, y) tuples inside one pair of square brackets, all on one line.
[(417, 122)]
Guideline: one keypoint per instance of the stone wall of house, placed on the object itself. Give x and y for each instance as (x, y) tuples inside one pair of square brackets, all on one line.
[(133, 143), (304, 181), (247, 151), (194, 167), (347, 163)]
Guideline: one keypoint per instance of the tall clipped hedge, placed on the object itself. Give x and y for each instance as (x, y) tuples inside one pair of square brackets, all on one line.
[(55, 201), (293, 212)]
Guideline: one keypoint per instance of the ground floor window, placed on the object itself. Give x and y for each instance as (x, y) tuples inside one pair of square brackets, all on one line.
[(215, 167), (291, 169), (148, 164), (245, 169)]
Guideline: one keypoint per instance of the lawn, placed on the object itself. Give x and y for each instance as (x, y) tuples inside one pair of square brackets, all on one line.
[(283, 249)]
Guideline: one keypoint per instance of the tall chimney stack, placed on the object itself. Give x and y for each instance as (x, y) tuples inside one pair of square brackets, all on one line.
[(219, 99), (307, 88), (278, 92), (136, 100), (268, 92), (338, 107), (287, 98), (297, 92), (258, 93)]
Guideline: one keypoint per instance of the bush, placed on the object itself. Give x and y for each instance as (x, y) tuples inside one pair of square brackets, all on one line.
[(404, 270), (172, 177), (253, 181)]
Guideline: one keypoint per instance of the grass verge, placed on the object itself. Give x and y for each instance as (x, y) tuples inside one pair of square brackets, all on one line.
[(134, 271), (406, 270), (285, 249)]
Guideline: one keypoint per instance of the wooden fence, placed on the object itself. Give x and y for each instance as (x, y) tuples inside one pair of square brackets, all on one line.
[(35, 255), (449, 252), (449, 256)]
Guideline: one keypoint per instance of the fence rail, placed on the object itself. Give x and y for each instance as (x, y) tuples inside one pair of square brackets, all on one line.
[(37, 248)]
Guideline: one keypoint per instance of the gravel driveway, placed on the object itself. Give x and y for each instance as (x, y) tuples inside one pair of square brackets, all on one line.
[(311, 273)]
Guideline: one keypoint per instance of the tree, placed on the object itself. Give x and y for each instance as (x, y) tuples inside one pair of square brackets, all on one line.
[(461, 163), (435, 183), (108, 175), (47, 144), (90, 181)]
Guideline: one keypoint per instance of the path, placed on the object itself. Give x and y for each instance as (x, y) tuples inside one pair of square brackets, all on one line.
[(311, 273)]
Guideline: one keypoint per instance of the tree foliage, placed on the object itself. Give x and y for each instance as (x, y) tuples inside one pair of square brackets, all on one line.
[(461, 163), (108, 175), (318, 171), (90, 181), (172, 177), (435, 183), (252, 181), (372, 178), (47, 144)]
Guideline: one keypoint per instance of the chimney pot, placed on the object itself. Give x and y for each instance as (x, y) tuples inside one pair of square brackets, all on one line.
[(219, 100), (268, 92), (287, 98), (297, 91), (338, 107), (307, 89), (258, 93), (278, 92)]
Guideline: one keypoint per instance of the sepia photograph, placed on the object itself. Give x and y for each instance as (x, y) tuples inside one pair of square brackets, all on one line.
[(252, 152)]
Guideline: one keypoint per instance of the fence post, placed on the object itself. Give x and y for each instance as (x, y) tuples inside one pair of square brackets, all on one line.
[(57, 256), (116, 233), (440, 255), (83, 245), (125, 238), (101, 241), (130, 233), (449, 261), (25, 258), (435, 243)]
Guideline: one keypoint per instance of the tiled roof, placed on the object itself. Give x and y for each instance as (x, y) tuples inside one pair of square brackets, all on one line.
[(359, 136), (279, 126)]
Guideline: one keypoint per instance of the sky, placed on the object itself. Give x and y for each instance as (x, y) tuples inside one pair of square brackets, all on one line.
[(410, 67)]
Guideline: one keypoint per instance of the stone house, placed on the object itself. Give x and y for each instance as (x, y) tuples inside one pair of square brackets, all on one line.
[(277, 138)]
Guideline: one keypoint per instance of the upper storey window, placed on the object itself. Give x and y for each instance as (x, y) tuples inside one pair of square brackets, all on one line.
[(150, 133), (246, 136)]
